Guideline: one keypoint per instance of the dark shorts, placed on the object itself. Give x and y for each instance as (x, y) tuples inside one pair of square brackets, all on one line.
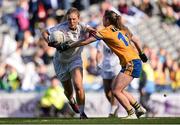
[(133, 68)]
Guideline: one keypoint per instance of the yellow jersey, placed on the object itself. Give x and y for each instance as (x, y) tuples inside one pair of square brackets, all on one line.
[(118, 42)]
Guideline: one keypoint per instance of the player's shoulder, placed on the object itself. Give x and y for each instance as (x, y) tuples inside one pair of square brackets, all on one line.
[(82, 24), (60, 26), (63, 24), (105, 31)]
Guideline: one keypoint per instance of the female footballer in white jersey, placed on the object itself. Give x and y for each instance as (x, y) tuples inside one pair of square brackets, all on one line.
[(109, 67), (68, 64)]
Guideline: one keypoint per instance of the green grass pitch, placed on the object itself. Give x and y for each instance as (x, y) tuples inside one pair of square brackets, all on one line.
[(162, 120)]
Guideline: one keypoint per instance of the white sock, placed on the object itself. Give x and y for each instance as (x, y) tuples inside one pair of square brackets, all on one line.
[(113, 108), (81, 108)]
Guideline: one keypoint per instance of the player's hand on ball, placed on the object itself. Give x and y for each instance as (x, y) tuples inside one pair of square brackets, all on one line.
[(63, 47), (143, 57), (56, 38), (51, 42)]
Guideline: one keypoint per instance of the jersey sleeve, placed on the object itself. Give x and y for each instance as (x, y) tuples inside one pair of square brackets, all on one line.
[(50, 30), (84, 26), (103, 34), (56, 27)]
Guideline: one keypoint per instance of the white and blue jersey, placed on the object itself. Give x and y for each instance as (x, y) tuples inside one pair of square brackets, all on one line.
[(74, 36), (110, 65), (70, 59)]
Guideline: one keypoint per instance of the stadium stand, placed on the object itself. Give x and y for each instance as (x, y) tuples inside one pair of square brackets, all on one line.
[(24, 49), (26, 62)]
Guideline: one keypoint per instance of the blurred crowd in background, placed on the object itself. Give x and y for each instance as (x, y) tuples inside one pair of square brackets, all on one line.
[(26, 60)]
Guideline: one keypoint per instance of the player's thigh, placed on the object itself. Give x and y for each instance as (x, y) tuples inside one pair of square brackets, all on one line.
[(107, 85), (76, 72), (61, 70), (127, 73), (108, 78), (77, 77), (122, 81)]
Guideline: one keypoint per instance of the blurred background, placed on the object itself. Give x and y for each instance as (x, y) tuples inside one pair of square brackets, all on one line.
[(27, 82)]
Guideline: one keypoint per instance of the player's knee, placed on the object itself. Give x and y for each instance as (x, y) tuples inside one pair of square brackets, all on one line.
[(115, 91)]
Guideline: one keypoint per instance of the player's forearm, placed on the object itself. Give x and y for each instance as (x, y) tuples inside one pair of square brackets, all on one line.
[(82, 42), (90, 29), (66, 45), (45, 35), (137, 44)]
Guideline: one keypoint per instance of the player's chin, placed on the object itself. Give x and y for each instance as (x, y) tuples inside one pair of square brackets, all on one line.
[(73, 26)]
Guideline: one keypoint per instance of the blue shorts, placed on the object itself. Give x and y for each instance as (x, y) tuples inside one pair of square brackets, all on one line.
[(133, 68)]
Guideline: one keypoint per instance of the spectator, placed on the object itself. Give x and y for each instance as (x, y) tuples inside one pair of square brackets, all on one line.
[(167, 68), (9, 79), (136, 3), (175, 76), (162, 83), (147, 7), (22, 17), (53, 103), (162, 55), (176, 6), (33, 8), (146, 86), (106, 5), (169, 16), (50, 22), (124, 8), (132, 14), (162, 4)]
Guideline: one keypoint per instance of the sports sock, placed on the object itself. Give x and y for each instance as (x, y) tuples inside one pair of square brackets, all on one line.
[(81, 108), (136, 105), (130, 112), (113, 109)]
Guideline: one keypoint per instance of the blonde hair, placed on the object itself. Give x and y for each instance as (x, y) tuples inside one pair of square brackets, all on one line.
[(115, 20)]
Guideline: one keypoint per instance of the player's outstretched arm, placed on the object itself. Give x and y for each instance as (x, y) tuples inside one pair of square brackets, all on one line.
[(83, 42), (90, 29), (137, 44), (65, 46)]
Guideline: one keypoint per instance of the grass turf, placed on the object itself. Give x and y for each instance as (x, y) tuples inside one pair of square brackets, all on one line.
[(162, 120)]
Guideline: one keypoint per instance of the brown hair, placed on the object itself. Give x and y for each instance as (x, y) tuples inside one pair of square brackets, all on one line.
[(115, 20), (71, 10)]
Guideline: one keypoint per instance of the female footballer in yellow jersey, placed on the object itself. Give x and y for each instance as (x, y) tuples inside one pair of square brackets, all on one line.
[(118, 38)]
